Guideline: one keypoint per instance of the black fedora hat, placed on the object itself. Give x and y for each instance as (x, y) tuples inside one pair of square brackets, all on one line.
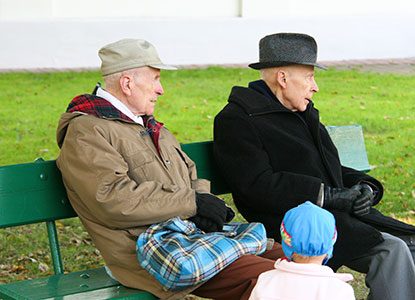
[(284, 49)]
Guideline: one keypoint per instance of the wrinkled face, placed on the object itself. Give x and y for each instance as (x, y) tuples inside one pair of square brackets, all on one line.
[(300, 87), (145, 88)]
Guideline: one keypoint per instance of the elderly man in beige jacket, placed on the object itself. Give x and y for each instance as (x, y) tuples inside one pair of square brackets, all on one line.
[(124, 171)]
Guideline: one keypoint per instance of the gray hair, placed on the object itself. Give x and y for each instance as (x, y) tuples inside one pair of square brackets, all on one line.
[(112, 81)]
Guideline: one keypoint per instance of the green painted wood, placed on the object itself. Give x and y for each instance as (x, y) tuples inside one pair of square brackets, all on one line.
[(350, 144), (34, 192), (90, 284), (54, 247), (348, 140), (202, 154), (119, 293), (31, 193)]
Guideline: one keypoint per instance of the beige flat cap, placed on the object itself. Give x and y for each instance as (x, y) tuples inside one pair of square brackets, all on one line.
[(129, 54)]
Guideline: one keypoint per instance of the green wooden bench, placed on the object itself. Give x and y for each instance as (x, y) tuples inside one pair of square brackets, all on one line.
[(34, 192)]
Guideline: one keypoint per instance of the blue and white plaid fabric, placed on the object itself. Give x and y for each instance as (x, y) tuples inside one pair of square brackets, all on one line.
[(180, 255)]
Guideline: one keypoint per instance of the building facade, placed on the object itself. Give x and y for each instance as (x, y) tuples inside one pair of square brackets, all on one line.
[(63, 34)]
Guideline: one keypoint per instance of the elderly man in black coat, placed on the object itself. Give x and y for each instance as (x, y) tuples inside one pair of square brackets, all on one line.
[(275, 154)]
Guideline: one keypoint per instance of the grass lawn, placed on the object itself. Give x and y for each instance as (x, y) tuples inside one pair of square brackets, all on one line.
[(32, 104)]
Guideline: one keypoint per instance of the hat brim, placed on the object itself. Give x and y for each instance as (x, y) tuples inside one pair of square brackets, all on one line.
[(163, 67), (265, 65)]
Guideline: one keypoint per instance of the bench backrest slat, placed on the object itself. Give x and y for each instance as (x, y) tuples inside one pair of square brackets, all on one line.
[(202, 154), (350, 144), (32, 193), (348, 140)]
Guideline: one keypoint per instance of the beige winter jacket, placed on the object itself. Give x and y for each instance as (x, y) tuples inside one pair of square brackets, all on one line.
[(118, 185)]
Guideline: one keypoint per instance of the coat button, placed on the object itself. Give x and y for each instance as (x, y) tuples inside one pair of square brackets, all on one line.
[(167, 161)]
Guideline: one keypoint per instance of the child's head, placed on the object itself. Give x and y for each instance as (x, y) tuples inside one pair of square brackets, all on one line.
[(308, 230)]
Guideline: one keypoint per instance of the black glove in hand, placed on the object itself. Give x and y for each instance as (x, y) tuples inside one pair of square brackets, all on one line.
[(213, 209), (363, 203), (340, 198), (205, 224), (230, 214)]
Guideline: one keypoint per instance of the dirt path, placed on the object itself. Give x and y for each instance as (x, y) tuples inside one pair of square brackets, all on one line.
[(398, 66)]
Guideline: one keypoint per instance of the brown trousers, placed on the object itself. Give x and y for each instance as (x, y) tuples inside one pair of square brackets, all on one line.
[(238, 279)]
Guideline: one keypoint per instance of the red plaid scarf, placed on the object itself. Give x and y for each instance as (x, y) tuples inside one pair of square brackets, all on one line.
[(101, 108), (154, 128), (97, 106)]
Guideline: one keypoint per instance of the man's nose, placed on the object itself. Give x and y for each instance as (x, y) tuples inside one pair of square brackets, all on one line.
[(159, 89), (315, 88)]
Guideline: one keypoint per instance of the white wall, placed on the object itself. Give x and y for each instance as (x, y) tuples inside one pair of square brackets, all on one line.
[(67, 34), (63, 9), (60, 9), (321, 8)]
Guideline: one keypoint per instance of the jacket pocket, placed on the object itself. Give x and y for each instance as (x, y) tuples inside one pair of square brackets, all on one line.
[(138, 164)]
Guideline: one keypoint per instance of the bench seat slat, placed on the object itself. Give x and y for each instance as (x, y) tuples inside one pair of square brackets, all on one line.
[(118, 292), (90, 284)]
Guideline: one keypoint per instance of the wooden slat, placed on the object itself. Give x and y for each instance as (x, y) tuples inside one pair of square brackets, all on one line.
[(90, 284)]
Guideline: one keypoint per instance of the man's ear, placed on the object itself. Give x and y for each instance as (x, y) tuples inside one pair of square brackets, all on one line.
[(126, 83), (282, 78)]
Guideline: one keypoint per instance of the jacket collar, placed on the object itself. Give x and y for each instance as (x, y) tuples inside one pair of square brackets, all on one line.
[(97, 106), (261, 87), (100, 92), (258, 99)]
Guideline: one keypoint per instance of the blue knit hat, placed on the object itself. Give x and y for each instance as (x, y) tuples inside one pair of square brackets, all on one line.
[(308, 230)]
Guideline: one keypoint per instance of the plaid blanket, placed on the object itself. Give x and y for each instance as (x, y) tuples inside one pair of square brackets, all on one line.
[(179, 255)]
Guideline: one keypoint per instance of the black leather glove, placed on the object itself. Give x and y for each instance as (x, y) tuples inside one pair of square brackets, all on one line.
[(206, 224), (211, 212), (340, 198), (363, 203), (230, 214)]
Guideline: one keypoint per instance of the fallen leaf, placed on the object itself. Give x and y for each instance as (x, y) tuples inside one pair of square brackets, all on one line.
[(43, 267), (17, 269), (59, 225)]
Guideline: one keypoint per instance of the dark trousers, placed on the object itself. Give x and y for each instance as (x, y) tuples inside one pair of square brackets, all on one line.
[(237, 280)]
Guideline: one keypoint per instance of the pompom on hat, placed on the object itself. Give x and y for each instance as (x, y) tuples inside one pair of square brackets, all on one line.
[(308, 230), (129, 54)]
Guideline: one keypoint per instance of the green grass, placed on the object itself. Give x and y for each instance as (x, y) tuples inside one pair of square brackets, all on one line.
[(32, 103)]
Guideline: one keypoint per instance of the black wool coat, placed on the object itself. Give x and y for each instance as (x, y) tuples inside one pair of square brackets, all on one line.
[(273, 160)]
